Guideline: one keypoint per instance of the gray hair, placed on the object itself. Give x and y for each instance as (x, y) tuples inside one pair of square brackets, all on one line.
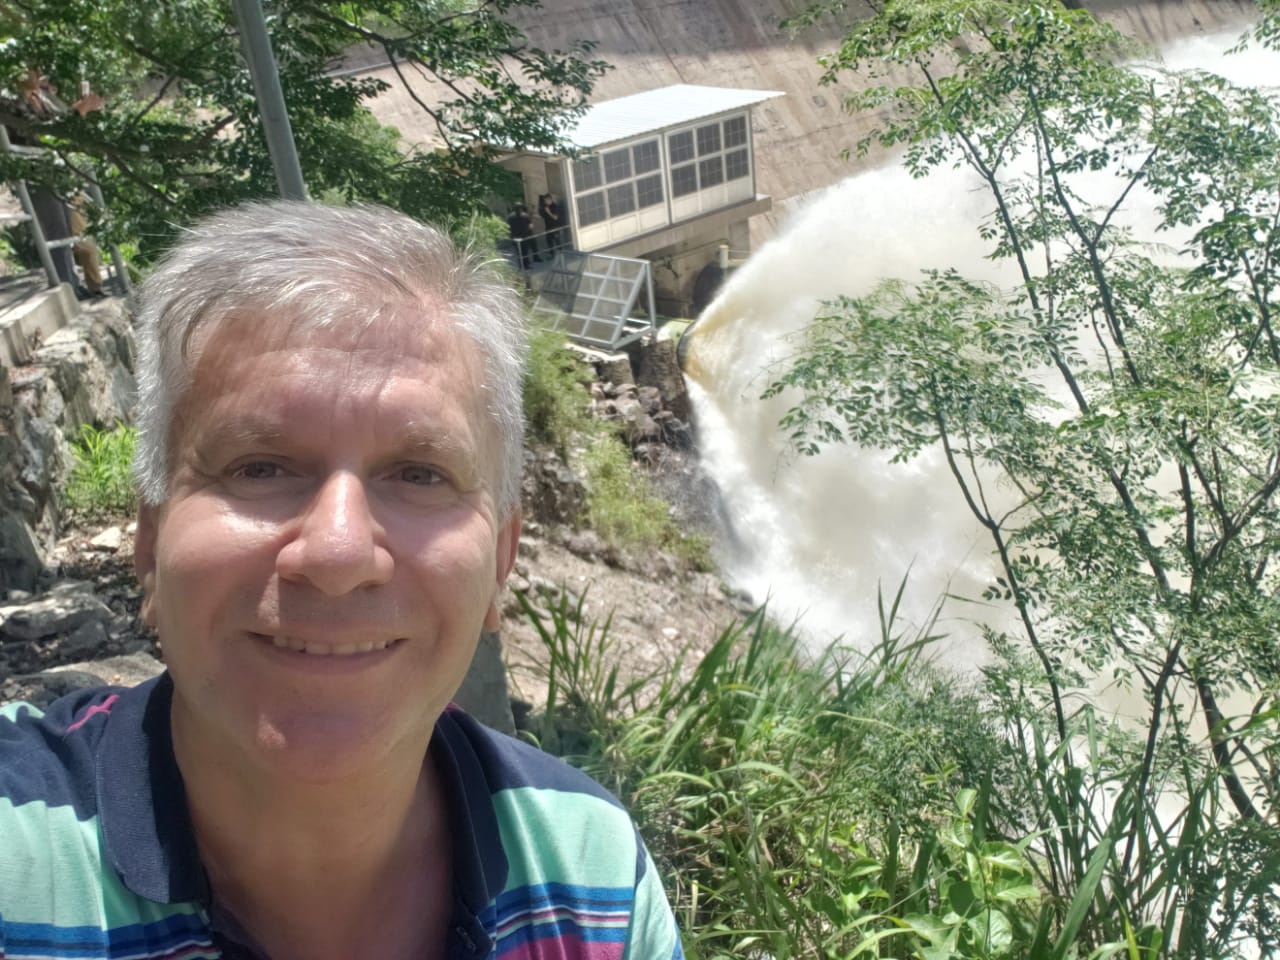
[(322, 267)]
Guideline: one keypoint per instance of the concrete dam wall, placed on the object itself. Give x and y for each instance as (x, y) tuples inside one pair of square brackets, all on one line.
[(798, 137), (738, 43)]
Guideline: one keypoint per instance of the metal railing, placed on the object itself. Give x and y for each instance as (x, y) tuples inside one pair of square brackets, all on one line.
[(527, 253), (42, 244)]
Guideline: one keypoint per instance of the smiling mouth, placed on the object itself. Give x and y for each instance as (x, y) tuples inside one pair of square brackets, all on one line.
[(317, 649)]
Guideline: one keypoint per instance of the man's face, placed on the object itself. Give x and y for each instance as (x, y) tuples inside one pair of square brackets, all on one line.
[(331, 544)]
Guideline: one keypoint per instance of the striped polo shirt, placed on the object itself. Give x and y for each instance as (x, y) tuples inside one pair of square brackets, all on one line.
[(98, 858)]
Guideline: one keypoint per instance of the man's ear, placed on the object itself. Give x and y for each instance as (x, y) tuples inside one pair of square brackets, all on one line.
[(144, 559), (508, 542)]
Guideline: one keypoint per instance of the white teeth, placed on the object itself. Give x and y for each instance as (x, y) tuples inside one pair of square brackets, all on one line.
[(317, 649)]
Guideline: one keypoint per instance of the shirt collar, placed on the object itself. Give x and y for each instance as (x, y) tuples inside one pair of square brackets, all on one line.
[(150, 842), (146, 828)]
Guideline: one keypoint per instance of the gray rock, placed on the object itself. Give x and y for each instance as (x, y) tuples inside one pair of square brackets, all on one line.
[(651, 399), (20, 557), (109, 540), (85, 641), (551, 493), (642, 428), (627, 408), (677, 434), (586, 544), (126, 671), (59, 611)]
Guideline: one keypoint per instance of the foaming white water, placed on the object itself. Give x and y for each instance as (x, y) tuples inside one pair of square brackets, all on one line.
[(817, 536)]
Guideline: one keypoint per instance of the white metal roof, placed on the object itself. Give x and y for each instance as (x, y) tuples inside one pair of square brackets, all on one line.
[(653, 110)]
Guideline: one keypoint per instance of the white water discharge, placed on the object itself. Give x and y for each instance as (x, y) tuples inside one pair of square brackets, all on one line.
[(817, 536)]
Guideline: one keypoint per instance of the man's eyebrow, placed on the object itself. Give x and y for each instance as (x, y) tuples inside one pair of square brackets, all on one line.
[(244, 431), (413, 436)]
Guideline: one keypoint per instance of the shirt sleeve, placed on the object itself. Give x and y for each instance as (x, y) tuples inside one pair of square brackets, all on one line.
[(652, 934)]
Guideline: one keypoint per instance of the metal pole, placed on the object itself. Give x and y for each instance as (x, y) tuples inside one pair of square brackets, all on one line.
[(255, 43), (653, 313), (122, 270)]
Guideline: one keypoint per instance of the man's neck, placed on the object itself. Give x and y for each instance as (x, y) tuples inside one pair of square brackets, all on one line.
[(338, 870)]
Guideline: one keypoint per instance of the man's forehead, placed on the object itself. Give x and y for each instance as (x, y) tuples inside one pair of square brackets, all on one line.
[(384, 344), (418, 327)]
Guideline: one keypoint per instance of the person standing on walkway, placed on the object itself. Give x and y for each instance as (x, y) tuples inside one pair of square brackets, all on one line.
[(553, 219), (520, 227)]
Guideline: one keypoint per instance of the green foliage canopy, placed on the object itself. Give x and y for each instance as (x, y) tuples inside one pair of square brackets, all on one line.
[(156, 98), (1112, 419)]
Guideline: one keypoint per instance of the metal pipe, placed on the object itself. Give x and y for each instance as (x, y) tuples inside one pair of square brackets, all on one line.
[(255, 43)]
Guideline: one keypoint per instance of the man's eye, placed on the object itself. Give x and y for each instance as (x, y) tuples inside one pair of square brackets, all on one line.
[(420, 475), (258, 470)]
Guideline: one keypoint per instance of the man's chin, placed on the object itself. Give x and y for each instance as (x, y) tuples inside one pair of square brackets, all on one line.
[(326, 746)]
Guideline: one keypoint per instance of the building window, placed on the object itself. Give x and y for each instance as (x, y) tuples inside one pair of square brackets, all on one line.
[(735, 132), (680, 146), (649, 191), (721, 154), (622, 199), (591, 208), (619, 182), (586, 174), (647, 156), (684, 180), (708, 139), (710, 172), (617, 165)]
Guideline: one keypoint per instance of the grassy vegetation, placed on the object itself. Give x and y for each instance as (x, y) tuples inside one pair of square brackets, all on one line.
[(622, 505), (557, 407), (860, 805), (101, 481)]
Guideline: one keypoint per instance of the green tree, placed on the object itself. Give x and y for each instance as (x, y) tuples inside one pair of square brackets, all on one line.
[(1112, 419), (157, 99)]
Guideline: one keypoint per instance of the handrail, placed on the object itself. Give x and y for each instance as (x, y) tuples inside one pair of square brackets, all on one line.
[(44, 245)]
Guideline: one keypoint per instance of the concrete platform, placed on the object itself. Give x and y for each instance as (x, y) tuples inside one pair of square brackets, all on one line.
[(29, 313)]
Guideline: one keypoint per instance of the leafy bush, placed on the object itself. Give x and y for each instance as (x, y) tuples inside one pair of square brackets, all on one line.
[(801, 807), (102, 479), (1110, 419)]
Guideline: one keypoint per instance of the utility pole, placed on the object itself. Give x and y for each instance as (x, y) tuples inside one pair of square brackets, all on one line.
[(256, 46)]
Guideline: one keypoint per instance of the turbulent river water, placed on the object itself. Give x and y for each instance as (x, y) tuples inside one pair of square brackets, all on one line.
[(818, 536)]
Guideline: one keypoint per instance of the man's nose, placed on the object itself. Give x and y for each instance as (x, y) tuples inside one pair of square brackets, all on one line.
[(338, 546)]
